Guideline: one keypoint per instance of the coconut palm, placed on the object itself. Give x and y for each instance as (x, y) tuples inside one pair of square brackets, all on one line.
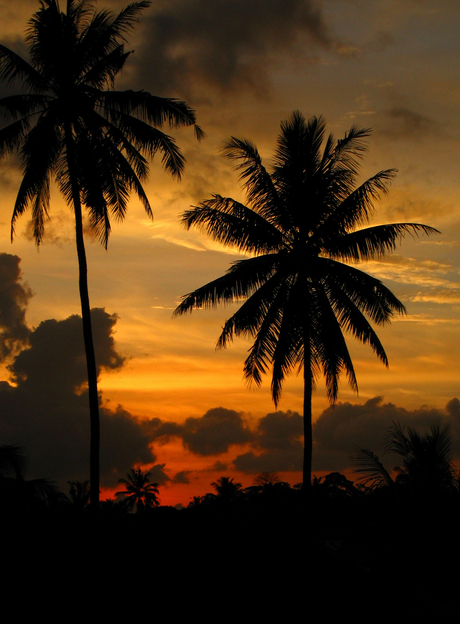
[(79, 494), (12, 460), (71, 125), (426, 460), (139, 491), (227, 490), (300, 231)]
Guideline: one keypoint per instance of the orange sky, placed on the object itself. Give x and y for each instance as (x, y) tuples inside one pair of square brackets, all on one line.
[(384, 64)]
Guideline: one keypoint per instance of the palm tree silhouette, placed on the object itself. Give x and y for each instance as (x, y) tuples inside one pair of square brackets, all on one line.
[(227, 490), (72, 125), (300, 231), (12, 460), (139, 491), (79, 494), (426, 460)]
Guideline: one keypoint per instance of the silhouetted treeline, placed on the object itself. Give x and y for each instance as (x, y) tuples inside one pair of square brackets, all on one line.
[(346, 546)]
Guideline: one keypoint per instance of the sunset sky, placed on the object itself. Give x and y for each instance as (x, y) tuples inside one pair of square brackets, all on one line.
[(170, 400)]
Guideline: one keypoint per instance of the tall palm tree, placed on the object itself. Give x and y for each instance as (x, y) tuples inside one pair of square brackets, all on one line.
[(300, 229), (70, 124), (139, 491)]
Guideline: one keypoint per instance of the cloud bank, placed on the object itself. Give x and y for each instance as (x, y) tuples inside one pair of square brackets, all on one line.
[(46, 410), (192, 46)]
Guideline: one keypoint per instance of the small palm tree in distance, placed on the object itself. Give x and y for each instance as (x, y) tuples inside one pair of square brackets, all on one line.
[(139, 492)]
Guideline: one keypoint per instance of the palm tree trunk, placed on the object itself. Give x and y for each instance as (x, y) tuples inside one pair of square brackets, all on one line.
[(307, 412), (87, 329)]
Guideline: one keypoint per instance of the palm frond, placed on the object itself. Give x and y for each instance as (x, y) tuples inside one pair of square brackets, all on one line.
[(376, 241), (12, 460), (240, 281), (365, 292), (375, 474), (14, 68), (40, 153), (260, 189), (329, 346), (150, 108), (354, 206), (233, 224)]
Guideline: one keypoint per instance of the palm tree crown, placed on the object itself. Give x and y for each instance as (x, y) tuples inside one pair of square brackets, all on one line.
[(426, 460), (71, 125), (300, 229), (139, 491)]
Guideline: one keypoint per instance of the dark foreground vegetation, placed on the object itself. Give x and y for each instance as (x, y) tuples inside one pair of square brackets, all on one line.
[(339, 549)]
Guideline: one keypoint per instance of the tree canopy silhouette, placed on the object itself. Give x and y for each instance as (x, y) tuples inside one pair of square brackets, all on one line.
[(426, 468), (70, 124), (12, 460), (300, 231), (139, 491)]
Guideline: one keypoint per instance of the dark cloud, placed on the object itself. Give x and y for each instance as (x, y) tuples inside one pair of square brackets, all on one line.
[(197, 45), (57, 354), (342, 428), (212, 434), (14, 297), (280, 431), (279, 436), (403, 122), (272, 461), (182, 477), (158, 474), (276, 441), (47, 411), (215, 432)]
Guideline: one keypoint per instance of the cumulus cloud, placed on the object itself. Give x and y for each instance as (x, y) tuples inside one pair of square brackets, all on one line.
[(14, 297), (57, 354), (212, 434), (342, 428), (275, 442), (278, 445), (47, 410), (229, 45)]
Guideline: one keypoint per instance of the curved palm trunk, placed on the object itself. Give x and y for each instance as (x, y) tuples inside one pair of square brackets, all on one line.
[(87, 330), (307, 412)]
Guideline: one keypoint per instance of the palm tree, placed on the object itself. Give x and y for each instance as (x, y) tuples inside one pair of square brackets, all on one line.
[(79, 494), (426, 460), (12, 460), (70, 124), (300, 232), (139, 491), (227, 490)]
